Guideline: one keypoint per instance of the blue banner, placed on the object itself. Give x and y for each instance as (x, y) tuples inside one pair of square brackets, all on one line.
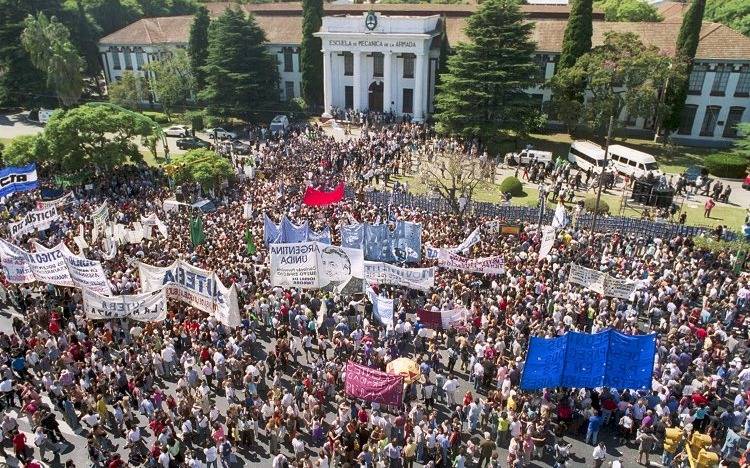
[(581, 360), (380, 244), (287, 232), (18, 179)]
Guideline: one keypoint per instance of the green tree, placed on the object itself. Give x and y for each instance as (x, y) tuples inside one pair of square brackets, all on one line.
[(129, 92), (47, 41), (171, 80), (687, 45), (311, 58), (577, 37), (733, 13), (742, 145), (623, 73), (151, 8), (198, 46), (111, 15), (203, 166), (241, 76), (21, 84), (95, 136), (84, 34), (482, 92), (629, 10), (25, 149)]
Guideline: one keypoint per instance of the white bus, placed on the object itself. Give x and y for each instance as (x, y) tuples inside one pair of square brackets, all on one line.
[(630, 162), (586, 155)]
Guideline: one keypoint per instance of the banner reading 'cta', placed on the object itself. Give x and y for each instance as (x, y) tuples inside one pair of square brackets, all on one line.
[(147, 307), (313, 265), (18, 179), (198, 288)]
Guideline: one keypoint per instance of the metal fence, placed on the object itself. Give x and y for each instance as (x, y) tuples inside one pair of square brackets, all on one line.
[(524, 214)]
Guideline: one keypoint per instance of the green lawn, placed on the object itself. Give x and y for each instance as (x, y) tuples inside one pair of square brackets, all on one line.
[(672, 160), (726, 215)]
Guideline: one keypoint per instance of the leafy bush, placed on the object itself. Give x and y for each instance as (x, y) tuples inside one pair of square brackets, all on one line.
[(194, 119), (731, 165), (158, 117), (590, 205), (512, 185)]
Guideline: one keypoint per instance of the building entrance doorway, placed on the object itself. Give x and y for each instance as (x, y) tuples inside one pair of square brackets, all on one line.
[(375, 96)]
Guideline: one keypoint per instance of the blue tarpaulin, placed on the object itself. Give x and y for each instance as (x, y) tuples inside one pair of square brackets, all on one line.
[(581, 360), (286, 232)]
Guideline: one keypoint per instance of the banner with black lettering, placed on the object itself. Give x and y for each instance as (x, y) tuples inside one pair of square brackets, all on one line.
[(485, 265), (146, 307), (85, 273), (194, 286), (34, 220), (18, 179), (61, 201), (385, 273), (601, 282), (314, 265), (548, 241), (100, 216)]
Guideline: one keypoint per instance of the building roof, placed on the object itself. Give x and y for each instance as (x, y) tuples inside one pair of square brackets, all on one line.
[(282, 23), (672, 11)]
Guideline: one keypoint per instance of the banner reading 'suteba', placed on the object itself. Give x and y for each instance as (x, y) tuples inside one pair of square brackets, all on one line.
[(373, 385)]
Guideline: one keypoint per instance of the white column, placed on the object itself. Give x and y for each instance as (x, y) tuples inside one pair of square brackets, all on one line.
[(387, 56), (134, 61), (357, 80), (107, 65), (122, 62), (419, 78), (327, 83)]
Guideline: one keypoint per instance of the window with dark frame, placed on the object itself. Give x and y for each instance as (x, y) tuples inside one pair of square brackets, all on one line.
[(734, 117), (289, 90), (407, 101), (409, 65), (697, 77), (348, 97), (288, 59), (687, 118), (721, 77), (348, 64), (377, 64), (743, 82), (128, 60), (116, 60), (709, 121)]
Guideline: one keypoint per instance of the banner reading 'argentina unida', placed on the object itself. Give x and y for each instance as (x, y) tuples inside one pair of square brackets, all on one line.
[(313, 265)]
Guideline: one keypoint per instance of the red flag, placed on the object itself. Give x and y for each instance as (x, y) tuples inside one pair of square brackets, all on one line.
[(318, 197)]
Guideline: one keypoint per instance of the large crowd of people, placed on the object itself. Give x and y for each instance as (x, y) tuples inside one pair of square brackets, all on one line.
[(190, 391)]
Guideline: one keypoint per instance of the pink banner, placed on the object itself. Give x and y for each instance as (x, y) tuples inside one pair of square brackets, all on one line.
[(373, 385), (318, 197)]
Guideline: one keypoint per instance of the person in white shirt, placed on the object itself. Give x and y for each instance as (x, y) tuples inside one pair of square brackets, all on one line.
[(278, 461), (212, 456), (164, 458), (450, 386), (298, 445), (600, 453)]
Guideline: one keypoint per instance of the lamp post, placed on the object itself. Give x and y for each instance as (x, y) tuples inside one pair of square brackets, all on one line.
[(601, 174)]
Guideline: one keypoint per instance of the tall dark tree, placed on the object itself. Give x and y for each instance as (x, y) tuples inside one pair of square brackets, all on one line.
[(311, 59), (577, 38), (21, 84), (241, 77), (111, 15), (482, 92), (198, 46), (687, 45), (84, 34)]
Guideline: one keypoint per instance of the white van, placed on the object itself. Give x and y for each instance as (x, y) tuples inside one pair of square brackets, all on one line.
[(586, 155), (529, 155), (279, 123), (44, 115), (630, 162)]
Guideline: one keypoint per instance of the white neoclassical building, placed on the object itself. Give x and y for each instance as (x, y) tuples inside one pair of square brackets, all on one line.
[(380, 63)]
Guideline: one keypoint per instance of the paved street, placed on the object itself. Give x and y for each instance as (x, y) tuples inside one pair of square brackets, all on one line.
[(74, 447)]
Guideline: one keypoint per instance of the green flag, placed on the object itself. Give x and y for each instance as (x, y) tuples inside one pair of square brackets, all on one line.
[(249, 244), (196, 231)]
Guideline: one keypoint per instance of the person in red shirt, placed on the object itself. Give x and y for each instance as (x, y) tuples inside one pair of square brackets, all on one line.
[(115, 462), (19, 446)]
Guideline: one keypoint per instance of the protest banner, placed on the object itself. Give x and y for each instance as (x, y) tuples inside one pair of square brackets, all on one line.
[(196, 287), (18, 179), (385, 273), (314, 265), (315, 197), (286, 232), (15, 268), (48, 265), (381, 244), (147, 307), (548, 241), (373, 385), (473, 238), (100, 216), (85, 273), (382, 308), (441, 319), (485, 265), (148, 224), (34, 220), (61, 201), (619, 287), (601, 282)]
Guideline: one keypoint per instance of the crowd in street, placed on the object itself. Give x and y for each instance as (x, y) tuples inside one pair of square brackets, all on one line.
[(190, 391)]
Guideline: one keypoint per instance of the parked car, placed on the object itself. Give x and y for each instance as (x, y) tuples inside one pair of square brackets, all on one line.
[(692, 173), (279, 124), (181, 131), (240, 148), (192, 143), (746, 182), (221, 134)]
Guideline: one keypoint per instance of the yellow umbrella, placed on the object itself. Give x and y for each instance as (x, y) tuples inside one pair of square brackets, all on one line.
[(404, 367)]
